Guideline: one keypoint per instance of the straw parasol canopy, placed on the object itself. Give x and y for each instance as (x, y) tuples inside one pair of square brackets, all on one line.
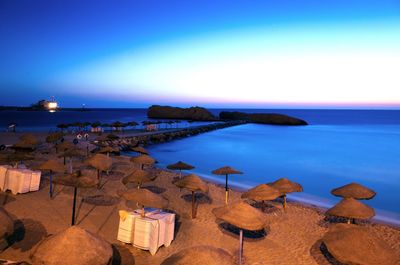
[(6, 225), (226, 171), (193, 183), (354, 190), (140, 150), (73, 246), (261, 192), (180, 166), (65, 145), (351, 244), (200, 255), (100, 162), (108, 149), (143, 160), (18, 156), (138, 177), (285, 186), (76, 180), (29, 139), (54, 137), (243, 216), (146, 198), (52, 165), (351, 208)]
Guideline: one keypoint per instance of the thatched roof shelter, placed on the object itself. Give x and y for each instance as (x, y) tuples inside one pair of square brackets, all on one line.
[(143, 159), (351, 208), (73, 246), (200, 255), (146, 198), (354, 190), (100, 162), (241, 215), (52, 165), (226, 170), (180, 166), (65, 145), (284, 186), (261, 192), (54, 137), (193, 183), (351, 244), (138, 177), (139, 149)]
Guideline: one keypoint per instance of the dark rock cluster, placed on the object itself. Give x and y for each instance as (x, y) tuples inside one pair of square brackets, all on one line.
[(264, 118), (192, 113)]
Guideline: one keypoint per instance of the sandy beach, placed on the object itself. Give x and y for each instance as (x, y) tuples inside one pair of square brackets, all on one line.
[(293, 237)]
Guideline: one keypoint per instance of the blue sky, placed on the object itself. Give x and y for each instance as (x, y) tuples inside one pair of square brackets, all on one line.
[(208, 53)]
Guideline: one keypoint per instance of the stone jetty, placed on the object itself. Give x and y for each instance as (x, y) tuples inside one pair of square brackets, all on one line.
[(125, 142)]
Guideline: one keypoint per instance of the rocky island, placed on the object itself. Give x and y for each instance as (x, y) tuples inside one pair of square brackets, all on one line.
[(202, 114)]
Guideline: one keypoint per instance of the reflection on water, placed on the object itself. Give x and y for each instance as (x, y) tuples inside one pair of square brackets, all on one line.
[(320, 157)]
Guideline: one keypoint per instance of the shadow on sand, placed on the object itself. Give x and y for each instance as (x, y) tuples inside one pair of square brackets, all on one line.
[(27, 233)]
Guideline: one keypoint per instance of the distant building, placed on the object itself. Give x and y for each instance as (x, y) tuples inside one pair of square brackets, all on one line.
[(47, 104)]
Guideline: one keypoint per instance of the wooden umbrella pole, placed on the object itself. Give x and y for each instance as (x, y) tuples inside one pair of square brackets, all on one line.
[(73, 206), (193, 202), (240, 246), (284, 202), (143, 213), (226, 189)]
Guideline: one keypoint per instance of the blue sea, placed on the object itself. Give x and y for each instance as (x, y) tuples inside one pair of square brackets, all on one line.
[(338, 147)]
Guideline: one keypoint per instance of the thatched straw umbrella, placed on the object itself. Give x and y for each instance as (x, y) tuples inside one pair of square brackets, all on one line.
[(261, 193), (29, 139), (76, 180), (101, 163), (108, 149), (146, 198), (243, 216), (73, 246), (200, 255), (74, 152), (285, 186), (138, 177), (53, 166), (6, 228), (18, 157), (193, 183), (65, 146), (53, 138), (180, 166), (351, 208), (226, 171), (354, 190), (143, 160), (23, 146), (139, 150), (351, 244)]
